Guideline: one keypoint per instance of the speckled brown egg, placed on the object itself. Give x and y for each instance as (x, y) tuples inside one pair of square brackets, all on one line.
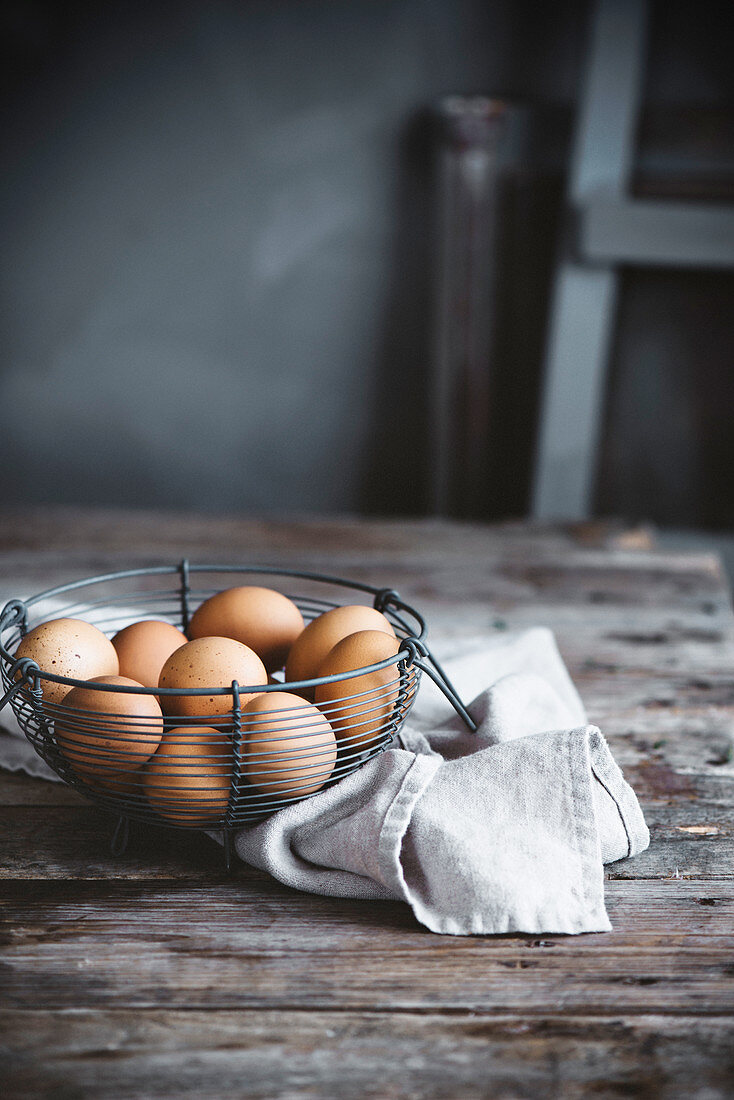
[(68, 647), (358, 721), (188, 780), (313, 645), (143, 648), (289, 748), (209, 663), (265, 620), (103, 732)]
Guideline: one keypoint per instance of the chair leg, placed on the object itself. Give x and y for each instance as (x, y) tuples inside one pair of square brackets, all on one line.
[(584, 296)]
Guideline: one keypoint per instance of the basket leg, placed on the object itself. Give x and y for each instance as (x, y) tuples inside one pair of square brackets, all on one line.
[(120, 837), (227, 848)]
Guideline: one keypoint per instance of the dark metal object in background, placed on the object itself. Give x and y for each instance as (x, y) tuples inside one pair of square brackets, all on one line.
[(473, 152)]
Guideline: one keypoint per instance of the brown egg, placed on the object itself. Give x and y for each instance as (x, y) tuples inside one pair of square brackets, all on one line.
[(288, 746), (68, 647), (143, 649), (358, 721), (313, 645), (209, 663), (127, 785), (260, 618), (104, 732), (188, 780)]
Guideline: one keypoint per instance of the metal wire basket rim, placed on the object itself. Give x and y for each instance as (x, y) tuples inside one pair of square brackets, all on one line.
[(187, 567), (405, 652)]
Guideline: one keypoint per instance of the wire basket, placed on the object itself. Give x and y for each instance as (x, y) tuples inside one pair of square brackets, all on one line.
[(222, 770)]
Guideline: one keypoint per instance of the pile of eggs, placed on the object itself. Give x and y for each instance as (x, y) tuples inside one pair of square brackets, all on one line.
[(176, 752)]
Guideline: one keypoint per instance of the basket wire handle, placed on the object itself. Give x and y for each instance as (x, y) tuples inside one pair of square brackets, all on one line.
[(417, 650), (419, 654), (385, 598), (15, 612), (30, 674)]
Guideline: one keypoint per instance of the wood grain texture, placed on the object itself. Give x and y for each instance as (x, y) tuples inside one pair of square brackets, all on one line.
[(125, 1054), (157, 975), (62, 528), (17, 789), (255, 943)]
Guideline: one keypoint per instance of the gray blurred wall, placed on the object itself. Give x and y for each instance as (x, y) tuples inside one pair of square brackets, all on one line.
[(216, 226)]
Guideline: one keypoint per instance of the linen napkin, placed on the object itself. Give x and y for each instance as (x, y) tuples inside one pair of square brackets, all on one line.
[(502, 830)]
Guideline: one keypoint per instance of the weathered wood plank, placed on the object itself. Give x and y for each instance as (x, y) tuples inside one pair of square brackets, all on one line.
[(656, 912), (17, 789), (676, 856), (257, 944), (65, 528), (649, 639), (512, 564), (57, 842), (127, 1054)]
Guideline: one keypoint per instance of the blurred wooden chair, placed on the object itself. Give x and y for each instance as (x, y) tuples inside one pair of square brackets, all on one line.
[(603, 228)]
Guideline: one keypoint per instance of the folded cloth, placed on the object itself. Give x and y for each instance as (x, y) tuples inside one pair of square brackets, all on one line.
[(502, 830), (17, 754)]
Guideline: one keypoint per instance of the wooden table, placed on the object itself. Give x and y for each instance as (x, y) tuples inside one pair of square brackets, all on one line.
[(157, 975)]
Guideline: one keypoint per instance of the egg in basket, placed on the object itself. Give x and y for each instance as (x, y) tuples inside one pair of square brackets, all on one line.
[(173, 695)]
